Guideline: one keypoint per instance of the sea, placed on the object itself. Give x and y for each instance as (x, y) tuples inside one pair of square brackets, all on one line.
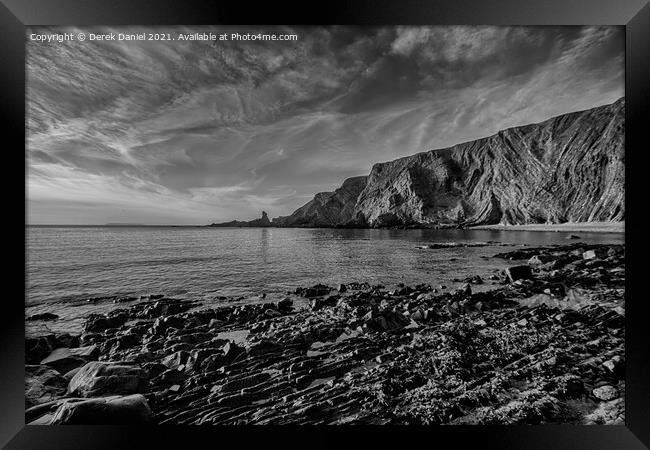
[(68, 265)]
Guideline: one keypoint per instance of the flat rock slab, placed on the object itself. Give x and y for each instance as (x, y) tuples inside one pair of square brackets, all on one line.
[(128, 410), (105, 378), (67, 359)]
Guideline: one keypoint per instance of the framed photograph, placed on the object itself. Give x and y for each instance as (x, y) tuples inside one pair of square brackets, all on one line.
[(357, 213)]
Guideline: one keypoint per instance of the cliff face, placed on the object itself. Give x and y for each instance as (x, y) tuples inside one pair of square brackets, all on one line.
[(327, 209), (567, 169)]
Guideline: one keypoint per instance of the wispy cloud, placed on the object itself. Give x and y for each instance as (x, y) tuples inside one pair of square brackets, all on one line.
[(195, 132)]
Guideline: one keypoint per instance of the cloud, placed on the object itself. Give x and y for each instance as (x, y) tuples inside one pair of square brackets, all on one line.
[(196, 132)]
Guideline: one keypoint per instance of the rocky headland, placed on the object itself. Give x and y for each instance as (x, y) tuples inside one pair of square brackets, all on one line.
[(566, 169), (545, 344), (261, 222)]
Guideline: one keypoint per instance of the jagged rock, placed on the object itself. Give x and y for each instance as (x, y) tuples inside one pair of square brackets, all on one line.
[(518, 273), (105, 378), (162, 324), (176, 359), (127, 410)]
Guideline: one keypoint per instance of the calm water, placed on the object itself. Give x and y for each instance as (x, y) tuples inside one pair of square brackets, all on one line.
[(70, 264)]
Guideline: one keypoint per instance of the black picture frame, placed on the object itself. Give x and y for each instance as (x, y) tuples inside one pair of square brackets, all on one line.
[(16, 15)]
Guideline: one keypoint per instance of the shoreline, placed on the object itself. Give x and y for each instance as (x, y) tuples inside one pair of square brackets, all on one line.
[(578, 227), (356, 353)]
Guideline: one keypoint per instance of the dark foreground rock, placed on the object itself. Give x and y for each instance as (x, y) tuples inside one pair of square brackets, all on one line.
[(105, 378), (43, 384), (128, 410), (544, 345)]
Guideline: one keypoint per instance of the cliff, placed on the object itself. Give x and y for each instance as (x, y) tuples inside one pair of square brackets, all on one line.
[(566, 169), (327, 209)]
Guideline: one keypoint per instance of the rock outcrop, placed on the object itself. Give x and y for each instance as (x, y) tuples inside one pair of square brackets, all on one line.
[(261, 222), (567, 169)]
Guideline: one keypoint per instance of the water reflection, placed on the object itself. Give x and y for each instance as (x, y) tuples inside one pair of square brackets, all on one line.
[(75, 263)]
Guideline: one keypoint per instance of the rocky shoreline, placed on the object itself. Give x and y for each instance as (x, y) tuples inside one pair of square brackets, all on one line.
[(544, 345)]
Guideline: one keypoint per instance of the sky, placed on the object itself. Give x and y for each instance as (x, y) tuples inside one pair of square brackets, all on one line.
[(195, 132)]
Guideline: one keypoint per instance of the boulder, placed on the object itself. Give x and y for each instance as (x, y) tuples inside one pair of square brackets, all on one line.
[(37, 348), (519, 273), (589, 254), (67, 340), (43, 384), (105, 378), (385, 320), (285, 304), (595, 253), (605, 393), (127, 410)]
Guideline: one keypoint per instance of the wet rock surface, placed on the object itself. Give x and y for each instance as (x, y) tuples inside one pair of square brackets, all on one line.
[(544, 345)]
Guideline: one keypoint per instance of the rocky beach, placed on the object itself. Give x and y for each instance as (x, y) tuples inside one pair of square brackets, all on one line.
[(539, 341)]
